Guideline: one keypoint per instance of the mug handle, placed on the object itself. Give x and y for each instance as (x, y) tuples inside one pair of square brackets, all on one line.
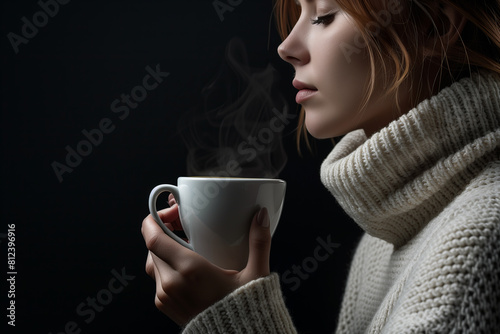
[(153, 197)]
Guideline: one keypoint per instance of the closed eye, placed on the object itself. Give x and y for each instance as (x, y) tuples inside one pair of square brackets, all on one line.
[(324, 19)]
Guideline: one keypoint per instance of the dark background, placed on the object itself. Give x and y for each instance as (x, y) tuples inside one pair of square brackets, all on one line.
[(70, 235)]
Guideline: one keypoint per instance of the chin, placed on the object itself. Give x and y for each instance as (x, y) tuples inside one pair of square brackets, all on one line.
[(321, 130), (329, 127), (320, 133)]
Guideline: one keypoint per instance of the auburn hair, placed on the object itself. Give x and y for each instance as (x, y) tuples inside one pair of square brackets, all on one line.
[(399, 47)]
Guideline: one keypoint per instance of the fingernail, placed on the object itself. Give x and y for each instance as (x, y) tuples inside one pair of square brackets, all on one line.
[(263, 218)]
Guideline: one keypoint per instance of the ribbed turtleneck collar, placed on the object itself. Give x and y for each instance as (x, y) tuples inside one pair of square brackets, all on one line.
[(395, 182)]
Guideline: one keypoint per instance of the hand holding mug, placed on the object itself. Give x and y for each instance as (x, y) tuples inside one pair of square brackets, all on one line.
[(215, 214), (186, 282)]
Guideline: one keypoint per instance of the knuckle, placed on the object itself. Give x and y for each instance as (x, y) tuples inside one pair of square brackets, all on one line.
[(152, 242), (188, 269), (167, 288), (158, 303), (191, 272), (150, 269), (162, 298), (143, 225), (144, 221), (261, 243)]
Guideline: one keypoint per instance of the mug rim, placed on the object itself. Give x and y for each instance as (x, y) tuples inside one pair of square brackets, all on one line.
[(243, 179)]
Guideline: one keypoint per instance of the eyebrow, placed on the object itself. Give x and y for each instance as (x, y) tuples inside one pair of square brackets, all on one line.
[(298, 2)]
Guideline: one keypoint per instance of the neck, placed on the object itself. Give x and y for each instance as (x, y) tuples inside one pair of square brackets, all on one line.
[(393, 183)]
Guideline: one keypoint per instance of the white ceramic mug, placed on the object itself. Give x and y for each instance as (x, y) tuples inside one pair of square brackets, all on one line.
[(216, 213)]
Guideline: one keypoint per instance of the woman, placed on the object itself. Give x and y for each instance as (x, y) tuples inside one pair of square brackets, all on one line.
[(415, 88)]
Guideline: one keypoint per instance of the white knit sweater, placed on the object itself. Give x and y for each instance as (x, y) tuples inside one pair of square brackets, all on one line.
[(426, 189)]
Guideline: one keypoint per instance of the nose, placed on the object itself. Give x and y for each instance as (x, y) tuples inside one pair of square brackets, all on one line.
[(293, 49)]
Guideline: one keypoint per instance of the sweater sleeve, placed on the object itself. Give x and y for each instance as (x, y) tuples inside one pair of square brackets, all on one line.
[(257, 307)]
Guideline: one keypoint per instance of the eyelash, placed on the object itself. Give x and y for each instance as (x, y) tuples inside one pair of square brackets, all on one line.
[(325, 19)]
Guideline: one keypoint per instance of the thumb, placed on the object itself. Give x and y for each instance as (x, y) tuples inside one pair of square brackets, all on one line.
[(259, 246)]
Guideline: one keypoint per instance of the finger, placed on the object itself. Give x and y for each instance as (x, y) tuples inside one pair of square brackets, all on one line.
[(150, 266), (171, 200), (163, 270), (259, 246), (163, 275), (167, 216), (170, 217), (172, 313), (163, 300), (162, 245)]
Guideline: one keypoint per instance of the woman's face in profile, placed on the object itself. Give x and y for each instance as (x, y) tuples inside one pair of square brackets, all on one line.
[(332, 68)]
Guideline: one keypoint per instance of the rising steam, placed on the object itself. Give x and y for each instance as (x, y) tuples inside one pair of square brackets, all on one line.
[(238, 130)]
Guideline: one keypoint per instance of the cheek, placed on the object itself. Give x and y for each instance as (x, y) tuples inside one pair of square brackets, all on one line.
[(343, 75), (342, 79)]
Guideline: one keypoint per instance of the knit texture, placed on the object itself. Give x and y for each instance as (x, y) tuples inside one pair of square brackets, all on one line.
[(394, 183), (426, 189), (257, 307)]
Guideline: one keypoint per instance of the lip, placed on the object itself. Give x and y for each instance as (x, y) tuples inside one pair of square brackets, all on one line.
[(306, 91), (304, 94), (301, 85)]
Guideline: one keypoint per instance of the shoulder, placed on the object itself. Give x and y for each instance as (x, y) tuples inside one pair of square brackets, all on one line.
[(453, 281), (479, 202)]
